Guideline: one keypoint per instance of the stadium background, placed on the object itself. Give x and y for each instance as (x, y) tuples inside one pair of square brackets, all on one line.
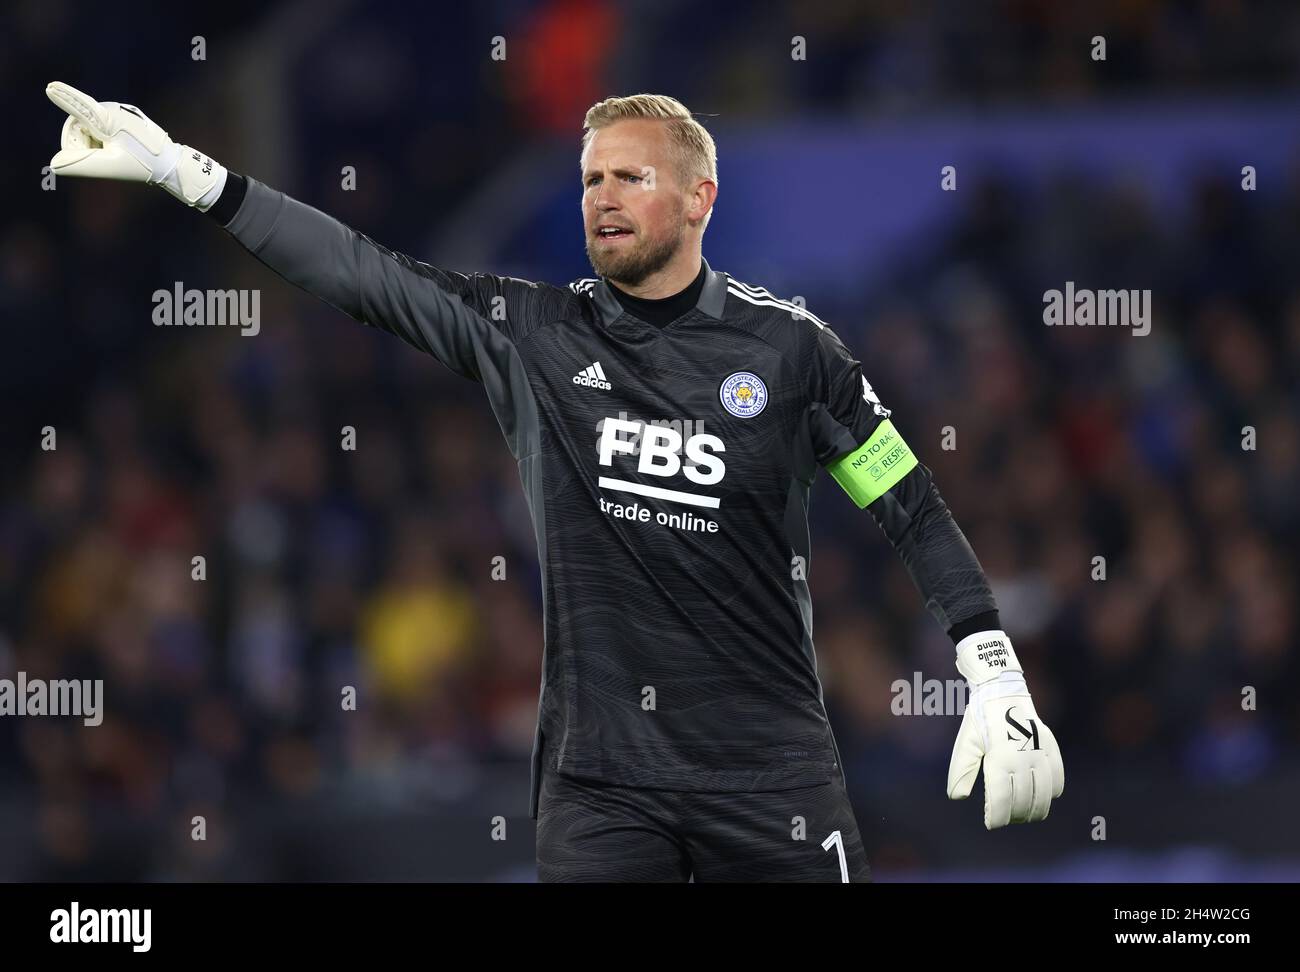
[(372, 568)]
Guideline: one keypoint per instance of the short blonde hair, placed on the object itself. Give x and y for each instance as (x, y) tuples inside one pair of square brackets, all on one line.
[(693, 151)]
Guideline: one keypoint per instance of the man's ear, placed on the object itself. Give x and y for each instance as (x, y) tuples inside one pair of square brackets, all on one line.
[(702, 199)]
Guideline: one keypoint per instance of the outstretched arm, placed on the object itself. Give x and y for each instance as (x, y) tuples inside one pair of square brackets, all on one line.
[(469, 322)]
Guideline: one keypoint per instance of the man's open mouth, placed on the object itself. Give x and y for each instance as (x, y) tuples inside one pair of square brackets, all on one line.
[(612, 232)]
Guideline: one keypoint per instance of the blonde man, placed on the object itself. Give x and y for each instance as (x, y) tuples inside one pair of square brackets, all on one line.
[(668, 421)]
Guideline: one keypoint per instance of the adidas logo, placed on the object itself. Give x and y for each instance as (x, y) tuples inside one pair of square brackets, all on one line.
[(593, 376)]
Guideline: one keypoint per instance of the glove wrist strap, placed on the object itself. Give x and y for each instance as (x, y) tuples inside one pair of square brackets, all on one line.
[(987, 655), (195, 179)]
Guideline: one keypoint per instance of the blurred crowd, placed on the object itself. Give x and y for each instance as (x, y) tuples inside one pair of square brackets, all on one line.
[(406, 568), (1132, 498)]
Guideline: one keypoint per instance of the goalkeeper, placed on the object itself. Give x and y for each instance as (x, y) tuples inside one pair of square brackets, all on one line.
[(681, 726)]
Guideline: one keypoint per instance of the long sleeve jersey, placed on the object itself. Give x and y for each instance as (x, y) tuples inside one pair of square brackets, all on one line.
[(667, 471)]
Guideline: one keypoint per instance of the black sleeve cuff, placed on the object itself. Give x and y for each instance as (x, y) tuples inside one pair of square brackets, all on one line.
[(988, 621), (231, 198)]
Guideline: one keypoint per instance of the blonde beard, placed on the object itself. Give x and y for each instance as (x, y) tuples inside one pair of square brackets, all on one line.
[(648, 258)]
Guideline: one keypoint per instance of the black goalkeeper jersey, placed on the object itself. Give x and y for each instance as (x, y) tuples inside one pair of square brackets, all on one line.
[(667, 471)]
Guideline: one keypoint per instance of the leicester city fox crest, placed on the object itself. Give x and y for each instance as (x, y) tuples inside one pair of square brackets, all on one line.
[(743, 394)]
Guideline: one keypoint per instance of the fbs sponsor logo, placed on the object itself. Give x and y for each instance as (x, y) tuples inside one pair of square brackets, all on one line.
[(593, 376), (659, 453)]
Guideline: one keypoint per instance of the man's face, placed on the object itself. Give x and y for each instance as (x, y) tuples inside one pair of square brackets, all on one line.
[(633, 208)]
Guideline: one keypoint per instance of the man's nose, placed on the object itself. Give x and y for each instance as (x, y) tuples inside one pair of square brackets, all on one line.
[(606, 198)]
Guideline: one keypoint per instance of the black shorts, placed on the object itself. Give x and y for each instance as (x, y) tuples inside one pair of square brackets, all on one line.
[(590, 831)]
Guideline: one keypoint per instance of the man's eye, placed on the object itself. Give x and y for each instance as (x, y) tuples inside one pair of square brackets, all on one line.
[(592, 181), (633, 178)]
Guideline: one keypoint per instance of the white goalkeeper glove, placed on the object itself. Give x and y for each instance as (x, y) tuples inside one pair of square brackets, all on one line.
[(1023, 772), (107, 140)]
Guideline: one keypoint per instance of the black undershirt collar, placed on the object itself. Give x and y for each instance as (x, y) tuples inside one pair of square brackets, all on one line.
[(662, 311)]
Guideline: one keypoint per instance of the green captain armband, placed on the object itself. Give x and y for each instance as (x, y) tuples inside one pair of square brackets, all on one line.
[(872, 469)]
